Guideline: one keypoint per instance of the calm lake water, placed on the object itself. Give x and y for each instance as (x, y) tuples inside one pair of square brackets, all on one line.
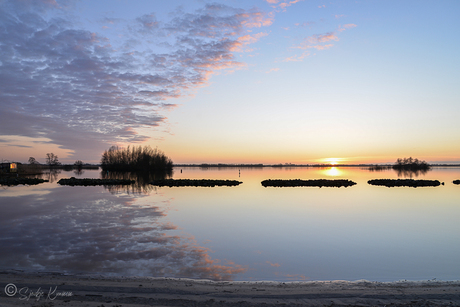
[(246, 232)]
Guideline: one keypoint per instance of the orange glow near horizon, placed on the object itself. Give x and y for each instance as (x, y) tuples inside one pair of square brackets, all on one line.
[(332, 161)]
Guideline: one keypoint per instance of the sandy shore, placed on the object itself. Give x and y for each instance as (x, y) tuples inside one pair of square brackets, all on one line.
[(47, 289)]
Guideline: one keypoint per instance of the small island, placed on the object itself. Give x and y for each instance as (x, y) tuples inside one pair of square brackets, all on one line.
[(21, 180), (194, 182), (410, 164), (404, 183), (456, 181), (308, 183), (72, 181)]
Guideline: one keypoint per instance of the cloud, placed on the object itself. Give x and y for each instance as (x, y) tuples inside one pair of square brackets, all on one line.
[(276, 265), (318, 42), (272, 70), (305, 24), (246, 40), (282, 4), (86, 91), (321, 38), (297, 58), (346, 27)]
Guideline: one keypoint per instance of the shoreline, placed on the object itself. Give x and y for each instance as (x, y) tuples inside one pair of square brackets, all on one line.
[(97, 291)]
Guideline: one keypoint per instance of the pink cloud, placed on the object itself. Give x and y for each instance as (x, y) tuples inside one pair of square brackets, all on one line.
[(286, 4), (250, 39), (282, 4), (317, 41), (257, 19), (276, 265), (322, 47), (297, 58), (346, 27), (322, 38), (272, 70)]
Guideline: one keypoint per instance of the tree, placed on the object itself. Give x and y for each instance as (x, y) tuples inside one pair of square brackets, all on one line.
[(52, 159), (33, 161), (135, 159), (78, 163)]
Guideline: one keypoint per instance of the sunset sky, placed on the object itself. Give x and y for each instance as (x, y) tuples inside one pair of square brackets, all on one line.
[(258, 81)]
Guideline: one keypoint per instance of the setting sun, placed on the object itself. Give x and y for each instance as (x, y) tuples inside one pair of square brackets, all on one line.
[(332, 161)]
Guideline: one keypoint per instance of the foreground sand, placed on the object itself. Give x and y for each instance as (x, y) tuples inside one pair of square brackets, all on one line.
[(126, 292)]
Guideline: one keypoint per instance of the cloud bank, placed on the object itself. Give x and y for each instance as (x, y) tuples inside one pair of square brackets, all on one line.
[(85, 91)]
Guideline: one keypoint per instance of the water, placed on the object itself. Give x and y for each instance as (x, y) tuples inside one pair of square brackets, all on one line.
[(246, 232)]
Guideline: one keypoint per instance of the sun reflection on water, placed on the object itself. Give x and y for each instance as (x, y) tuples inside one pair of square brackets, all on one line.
[(333, 172)]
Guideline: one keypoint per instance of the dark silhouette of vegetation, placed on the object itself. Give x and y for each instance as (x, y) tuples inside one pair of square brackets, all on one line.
[(456, 181), (134, 158), (52, 159), (308, 183), (30, 169), (32, 161), (378, 168), (20, 180), (404, 183), (410, 164), (194, 182), (72, 181)]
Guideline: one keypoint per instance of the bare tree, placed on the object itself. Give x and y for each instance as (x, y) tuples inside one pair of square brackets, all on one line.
[(52, 159)]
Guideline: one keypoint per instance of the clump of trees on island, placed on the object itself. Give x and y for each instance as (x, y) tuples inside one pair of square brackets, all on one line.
[(136, 159), (410, 164)]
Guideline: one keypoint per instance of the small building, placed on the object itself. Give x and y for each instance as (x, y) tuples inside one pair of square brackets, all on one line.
[(9, 167)]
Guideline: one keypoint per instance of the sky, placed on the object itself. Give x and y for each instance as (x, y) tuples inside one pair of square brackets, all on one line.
[(254, 81)]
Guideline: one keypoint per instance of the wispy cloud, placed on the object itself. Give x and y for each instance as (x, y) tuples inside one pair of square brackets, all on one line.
[(346, 27), (318, 42), (282, 4), (83, 91), (296, 57), (272, 70), (276, 265)]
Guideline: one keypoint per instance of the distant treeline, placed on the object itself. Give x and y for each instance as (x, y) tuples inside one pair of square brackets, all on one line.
[(136, 159)]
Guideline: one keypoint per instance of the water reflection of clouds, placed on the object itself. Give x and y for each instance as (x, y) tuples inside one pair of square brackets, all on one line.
[(84, 230)]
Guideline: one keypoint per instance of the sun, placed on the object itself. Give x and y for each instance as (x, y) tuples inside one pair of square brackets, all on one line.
[(332, 161)]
